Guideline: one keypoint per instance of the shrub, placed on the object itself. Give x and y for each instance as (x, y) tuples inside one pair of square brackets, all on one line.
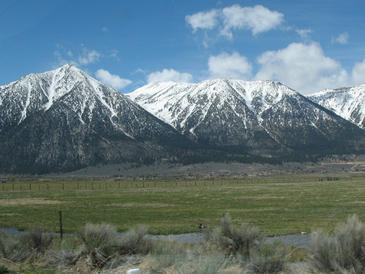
[(135, 242), (99, 241), (343, 251), (64, 255), (268, 259), (37, 240), (22, 247), (235, 239)]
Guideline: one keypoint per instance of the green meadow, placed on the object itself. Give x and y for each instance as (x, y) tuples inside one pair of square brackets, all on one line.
[(276, 205)]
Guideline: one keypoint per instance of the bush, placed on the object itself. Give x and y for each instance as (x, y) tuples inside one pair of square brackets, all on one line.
[(64, 255), (22, 247), (99, 241), (268, 259), (343, 251), (37, 240), (233, 239), (135, 242)]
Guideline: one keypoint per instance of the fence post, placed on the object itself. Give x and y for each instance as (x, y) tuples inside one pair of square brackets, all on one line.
[(61, 228)]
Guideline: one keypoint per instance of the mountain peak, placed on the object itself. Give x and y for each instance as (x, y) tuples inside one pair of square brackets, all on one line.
[(348, 102), (40, 91), (65, 119)]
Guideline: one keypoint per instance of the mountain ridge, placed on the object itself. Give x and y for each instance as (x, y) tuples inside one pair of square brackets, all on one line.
[(347, 102), (284, 118)]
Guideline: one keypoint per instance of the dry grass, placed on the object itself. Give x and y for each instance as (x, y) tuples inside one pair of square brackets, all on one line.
[(153, 205), (28, 201)]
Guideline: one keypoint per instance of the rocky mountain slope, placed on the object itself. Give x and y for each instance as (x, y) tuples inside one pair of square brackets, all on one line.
[(257, 116), (64, 119), (349, 103)]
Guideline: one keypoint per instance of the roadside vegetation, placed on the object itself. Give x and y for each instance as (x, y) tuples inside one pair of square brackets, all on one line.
[(98, 248)]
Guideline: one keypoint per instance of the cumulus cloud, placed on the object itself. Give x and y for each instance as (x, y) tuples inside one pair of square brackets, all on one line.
[(256, 19), (342, 39), (169, 75), (112, 80), (303, 67), (358, 73), (227, 65), (202, 20)]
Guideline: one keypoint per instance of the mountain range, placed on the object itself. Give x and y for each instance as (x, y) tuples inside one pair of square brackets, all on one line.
[(64, 120), (253, 116)]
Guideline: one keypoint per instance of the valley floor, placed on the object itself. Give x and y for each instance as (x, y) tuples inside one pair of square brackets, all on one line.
[(346, 164), (278, 205)]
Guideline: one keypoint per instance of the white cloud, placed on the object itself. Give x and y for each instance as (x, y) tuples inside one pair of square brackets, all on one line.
[(303, 67), (342, 39), (227, 65), (104, 29), (81, 57), (256, 19), (303, 33), (202, 20), (88, 56), (169, 75), (111, 79), (358, 73)]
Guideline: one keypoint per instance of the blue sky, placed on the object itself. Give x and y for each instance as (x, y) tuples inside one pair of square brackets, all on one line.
[(308, 45)]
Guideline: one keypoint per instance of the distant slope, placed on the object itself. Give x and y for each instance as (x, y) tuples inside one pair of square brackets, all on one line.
[(64, 119), (257, 116), (348, 103)]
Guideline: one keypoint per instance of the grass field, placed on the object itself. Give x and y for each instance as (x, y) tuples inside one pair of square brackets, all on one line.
[(277, 205)]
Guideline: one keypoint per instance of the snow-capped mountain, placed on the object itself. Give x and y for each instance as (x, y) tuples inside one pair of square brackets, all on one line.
[(258, 115), (348, 103), (64, 119)]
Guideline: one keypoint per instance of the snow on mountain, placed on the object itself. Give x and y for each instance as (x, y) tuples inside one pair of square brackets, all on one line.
[(176, 102), (38, 92), (63, 119), (77, 91), (348, 103), (256, 114)]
